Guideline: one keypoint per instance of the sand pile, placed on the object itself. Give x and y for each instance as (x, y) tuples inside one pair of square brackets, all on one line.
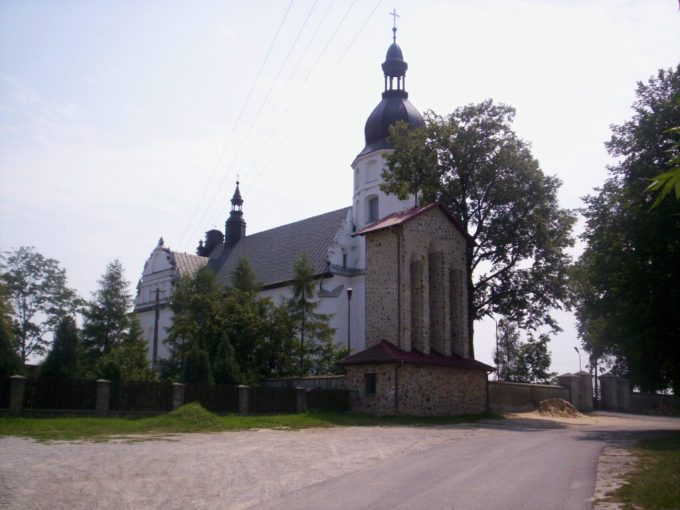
[(558, 407)]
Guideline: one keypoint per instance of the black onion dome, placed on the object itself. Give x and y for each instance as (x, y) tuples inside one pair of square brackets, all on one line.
[(390, 110), (394, 106)]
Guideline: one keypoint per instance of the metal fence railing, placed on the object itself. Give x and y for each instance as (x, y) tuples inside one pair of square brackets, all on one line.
[(140, 396), (217, 398), (58, 393)]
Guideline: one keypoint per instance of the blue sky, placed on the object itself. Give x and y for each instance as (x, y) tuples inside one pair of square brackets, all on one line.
[(124, 121)]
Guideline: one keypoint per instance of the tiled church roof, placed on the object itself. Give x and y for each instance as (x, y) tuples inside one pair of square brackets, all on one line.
[(188, 264), (401, 217), (386, 352), (272, 253)]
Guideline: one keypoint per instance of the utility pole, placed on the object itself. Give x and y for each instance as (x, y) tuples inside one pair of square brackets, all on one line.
[(349, 322), (157, 309)]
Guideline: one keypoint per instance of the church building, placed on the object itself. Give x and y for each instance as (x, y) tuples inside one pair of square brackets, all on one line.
[(391, 275), (328, 240)]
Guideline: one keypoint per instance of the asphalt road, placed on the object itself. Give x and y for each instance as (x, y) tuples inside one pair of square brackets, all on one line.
[(527, 465)]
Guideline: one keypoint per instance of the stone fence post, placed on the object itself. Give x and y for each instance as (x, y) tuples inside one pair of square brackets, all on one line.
[(177, 395), (243, 399), (300, 400), (16, 393), (571, 382), (103, 397), (585, 389), (615, 393)]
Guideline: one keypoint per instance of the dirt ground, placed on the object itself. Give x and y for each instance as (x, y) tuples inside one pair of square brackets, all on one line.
[(226, 470)]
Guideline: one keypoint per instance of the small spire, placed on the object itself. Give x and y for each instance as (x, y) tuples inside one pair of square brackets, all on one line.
[(394, 26), (161, 242), (237, 200)]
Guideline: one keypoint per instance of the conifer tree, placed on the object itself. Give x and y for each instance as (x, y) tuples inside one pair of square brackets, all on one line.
[(63, 360), (225, 368), (196, 367), (243, 278), (316, 350), (129, 355), (106, 315)]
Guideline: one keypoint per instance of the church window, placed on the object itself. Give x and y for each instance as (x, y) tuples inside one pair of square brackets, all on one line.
[(344, 260), (373, 209), (369, 384)]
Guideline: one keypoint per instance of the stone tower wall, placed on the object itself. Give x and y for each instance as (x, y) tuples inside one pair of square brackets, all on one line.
[(416, 296)]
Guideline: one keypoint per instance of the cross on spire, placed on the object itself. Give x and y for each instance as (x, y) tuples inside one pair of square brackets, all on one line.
[(394, 26)]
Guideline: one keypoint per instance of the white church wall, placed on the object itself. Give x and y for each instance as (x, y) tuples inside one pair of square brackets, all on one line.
[(336, 307), (147, 319), (367, 180)]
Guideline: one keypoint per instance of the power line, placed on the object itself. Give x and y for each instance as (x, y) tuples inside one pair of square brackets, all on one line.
[(266, 98), (330, 40), (275, 129), (236, 123), (361, 29)]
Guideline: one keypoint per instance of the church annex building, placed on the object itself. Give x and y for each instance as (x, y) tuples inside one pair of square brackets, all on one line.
[(405, 267)]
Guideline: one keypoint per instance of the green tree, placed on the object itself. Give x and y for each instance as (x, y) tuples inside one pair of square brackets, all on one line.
[(63, 360), (196, 368), (39, 298), (197, 304), (507, 352), (472, 162), (522, 361), (627, 281), (129, 355), (225, 368), (106, 320), (317, 351), (243, 277), (246, 338), (10, 363), (534, 360)]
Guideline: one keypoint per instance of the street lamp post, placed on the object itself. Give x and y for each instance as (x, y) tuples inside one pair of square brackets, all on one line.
[(349, 311), (579, 358)]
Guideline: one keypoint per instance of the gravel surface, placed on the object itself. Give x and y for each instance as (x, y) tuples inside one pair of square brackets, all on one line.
[(234, 470), (225, 470)]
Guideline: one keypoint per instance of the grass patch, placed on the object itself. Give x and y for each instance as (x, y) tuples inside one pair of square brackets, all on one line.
[(194, 418), (655, 483)]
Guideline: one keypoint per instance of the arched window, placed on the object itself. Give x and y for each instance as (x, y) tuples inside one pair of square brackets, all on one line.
[(373, 213)]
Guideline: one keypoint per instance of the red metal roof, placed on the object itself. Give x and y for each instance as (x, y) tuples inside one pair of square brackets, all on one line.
[(387, 352), (401, 217)]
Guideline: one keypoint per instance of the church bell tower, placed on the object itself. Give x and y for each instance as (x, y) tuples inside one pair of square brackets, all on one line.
[(235, 227)]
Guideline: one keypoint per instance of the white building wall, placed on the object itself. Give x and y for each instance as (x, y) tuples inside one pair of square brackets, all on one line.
[(159, 273), (368, 170), (336, 307)]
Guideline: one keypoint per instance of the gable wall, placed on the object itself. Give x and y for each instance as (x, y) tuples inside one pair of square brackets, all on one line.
[(415, 286)]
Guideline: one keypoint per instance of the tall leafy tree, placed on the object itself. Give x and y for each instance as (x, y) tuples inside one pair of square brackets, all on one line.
[(63, 360), (106, 319), (200, 327), (10, 363), (473, 162), (534, 361), (522, 361), (39, 297), (628, 278), (318, 353), (507, 353)]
